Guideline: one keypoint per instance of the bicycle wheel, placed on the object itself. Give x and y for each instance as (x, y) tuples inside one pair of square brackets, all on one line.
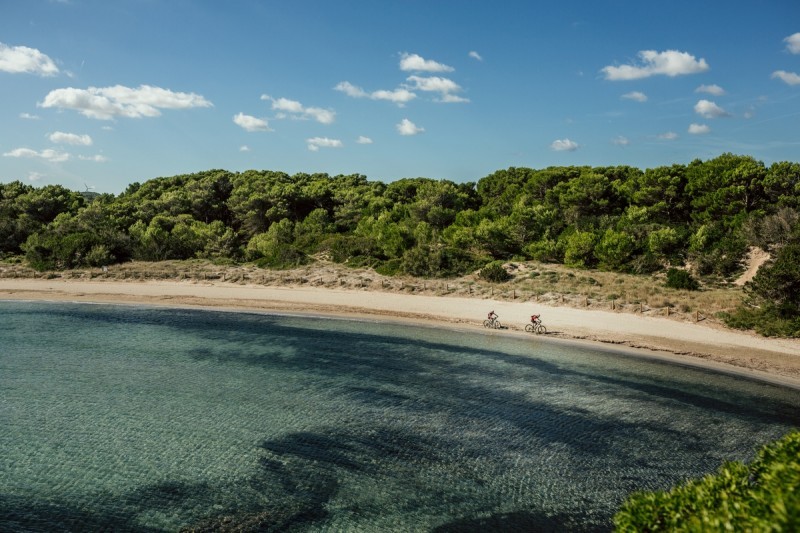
[(496, 324), (487, 323), (529, 328), (540, 329)]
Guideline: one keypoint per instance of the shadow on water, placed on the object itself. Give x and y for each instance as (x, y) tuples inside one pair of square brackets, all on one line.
[(486, 404), (20, 515)]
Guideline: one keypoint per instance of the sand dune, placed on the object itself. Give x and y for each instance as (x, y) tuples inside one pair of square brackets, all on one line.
[(776, 360)]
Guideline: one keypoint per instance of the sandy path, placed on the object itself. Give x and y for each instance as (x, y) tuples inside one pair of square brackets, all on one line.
[(775, 359)]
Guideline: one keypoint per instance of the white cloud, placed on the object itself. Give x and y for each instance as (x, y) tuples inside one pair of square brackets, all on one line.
[(48, 154), (698, 129), (108, 102), (21, 59), (35, 176), (297, 110), (244, 148), (636, 96), (59, 137), (714, 90), (453, 99), (284, 104), (621, 141), (668, 63), (564, 145), (668, 136), (433, 83), (323, 116), (363, 140), (475, 55), (708, 109), (793, 43), (787, 77), (446, 87), (414, 62), (398, 96), (250, 123), (350, 90), (406, 127), (28, 116), (95, 158), (315, 143)]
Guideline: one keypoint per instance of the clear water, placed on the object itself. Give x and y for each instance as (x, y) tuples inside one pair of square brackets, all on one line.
[(140, 419)]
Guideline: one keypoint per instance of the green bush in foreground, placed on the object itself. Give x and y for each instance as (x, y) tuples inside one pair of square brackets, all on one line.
[(680, 279), (764, 496), (494, 272)]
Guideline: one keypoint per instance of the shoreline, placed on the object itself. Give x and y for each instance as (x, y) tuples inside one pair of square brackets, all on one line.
[(745, 354)]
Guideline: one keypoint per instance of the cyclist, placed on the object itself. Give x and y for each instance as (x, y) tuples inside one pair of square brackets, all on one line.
[(535, 319), (492, 316)]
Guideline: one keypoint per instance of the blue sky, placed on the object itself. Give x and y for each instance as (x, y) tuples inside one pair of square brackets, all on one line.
[(102, 93)]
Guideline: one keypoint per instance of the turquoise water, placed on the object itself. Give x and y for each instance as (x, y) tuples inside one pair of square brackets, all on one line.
[(142, 419)]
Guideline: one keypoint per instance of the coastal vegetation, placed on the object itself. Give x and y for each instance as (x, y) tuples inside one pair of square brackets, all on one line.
[(695, 223), (762, 496)]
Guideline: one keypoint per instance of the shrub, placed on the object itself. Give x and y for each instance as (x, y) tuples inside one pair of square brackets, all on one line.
[(759, 497), (579, 251), (389, 268), (494, 272), (681, 279)]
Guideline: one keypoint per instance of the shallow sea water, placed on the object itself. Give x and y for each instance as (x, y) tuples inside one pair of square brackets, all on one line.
[(148, 419)]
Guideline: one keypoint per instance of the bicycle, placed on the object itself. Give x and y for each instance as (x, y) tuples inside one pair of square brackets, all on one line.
[(536, 327), (492, 324)]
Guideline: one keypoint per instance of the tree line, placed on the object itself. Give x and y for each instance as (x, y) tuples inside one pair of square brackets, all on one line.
[(619, 218)]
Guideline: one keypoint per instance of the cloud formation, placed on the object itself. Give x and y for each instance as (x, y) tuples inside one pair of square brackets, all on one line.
[(708, 109), (406, 127), (564, 145), (416, 63), (789, 78), (59, 137), (250, 123), (315, 143), (793, 43), (636, 96), (95, 158), (698, 129), (363, 140), (399, 96), (621, 141), (294, 109), (444, 86), (21, 59), (119, 101), (48, 154), (668, 63), (475, 55), (714, 90), (668, 136)]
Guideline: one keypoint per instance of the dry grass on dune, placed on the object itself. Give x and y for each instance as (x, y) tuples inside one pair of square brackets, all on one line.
[(546, 284)]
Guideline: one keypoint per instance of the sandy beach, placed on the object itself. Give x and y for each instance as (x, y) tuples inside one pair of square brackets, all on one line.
[(683, 342)]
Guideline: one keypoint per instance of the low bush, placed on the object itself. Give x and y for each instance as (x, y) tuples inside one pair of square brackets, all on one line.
[(681, 279), (763, 496), (494, 272)]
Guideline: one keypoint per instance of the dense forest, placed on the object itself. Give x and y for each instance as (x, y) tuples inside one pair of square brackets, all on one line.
[(704, 215)]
